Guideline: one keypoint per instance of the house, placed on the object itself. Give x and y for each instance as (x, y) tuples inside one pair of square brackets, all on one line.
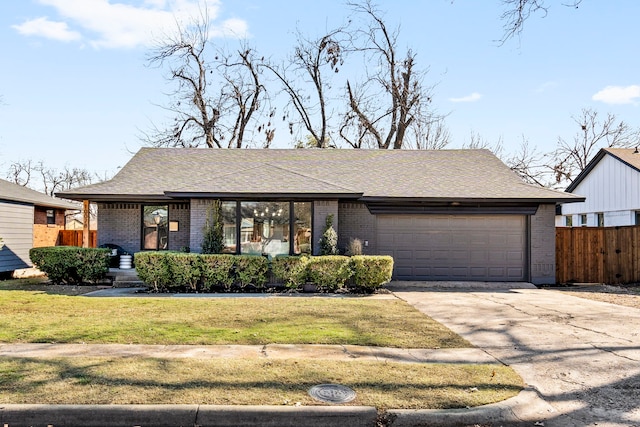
[(442, 214), (611, 185), (28, 219)]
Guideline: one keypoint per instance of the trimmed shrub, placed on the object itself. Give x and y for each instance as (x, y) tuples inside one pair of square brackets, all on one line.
[(292, 270), (251, 270), (354, 248), (213, 238), (153, 269), (185, 269), (371, 272), (70, 264), (329, 238), (217, 270), (329, 272)]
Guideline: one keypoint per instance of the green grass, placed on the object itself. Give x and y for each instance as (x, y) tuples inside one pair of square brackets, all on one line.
[(36, 317), (250, 382)]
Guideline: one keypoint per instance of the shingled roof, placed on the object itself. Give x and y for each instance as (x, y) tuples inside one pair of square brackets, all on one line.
[(165, 173), (11, 192)]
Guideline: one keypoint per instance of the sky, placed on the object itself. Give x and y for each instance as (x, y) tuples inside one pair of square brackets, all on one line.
[(76, 89)]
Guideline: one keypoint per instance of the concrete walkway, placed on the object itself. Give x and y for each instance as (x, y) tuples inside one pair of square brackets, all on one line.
[(582, 357)]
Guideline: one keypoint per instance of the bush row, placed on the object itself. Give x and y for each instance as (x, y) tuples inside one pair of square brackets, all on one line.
[(70, 264), (186, 271)]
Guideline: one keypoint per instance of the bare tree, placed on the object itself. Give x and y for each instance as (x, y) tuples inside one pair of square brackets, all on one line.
[(214, 101), (572, 156), (37, 176), (306, 84), (516, 12), (477, 142), (392, 96), (531, 165)]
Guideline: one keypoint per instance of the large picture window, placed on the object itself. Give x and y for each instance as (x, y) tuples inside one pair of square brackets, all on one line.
[(155, 227), (265, 228)]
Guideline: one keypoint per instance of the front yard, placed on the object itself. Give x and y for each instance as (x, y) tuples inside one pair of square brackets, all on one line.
[(34, 312)]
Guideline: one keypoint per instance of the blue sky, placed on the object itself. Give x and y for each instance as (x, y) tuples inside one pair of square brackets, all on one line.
[(76, 92)]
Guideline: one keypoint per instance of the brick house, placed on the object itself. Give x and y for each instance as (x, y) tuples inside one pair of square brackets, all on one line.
[(28, 219), (442, 215)]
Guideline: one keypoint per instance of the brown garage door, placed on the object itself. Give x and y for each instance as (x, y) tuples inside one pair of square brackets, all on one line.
[(454, 247)]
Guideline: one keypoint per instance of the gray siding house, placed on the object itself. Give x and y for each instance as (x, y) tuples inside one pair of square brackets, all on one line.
[(442, 215), (28, 218)]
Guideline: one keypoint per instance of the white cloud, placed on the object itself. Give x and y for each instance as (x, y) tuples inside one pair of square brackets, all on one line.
[(546, 86), (618, 94), (475, 96), (49, 29), (112, 24)]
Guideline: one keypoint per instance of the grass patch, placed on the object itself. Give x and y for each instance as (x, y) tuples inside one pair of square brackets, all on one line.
[(250, 382), (36, 317)]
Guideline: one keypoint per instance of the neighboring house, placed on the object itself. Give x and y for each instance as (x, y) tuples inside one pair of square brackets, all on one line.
[(442, 215), (611, 185), (28, 219)]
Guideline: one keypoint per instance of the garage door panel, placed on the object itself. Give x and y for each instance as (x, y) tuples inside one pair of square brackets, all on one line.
[(455, 247)]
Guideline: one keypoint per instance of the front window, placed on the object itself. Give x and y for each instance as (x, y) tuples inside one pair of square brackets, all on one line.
[(302, 242), (600, 220), (155, 227), (637, 217), (229, 221), (264, 228), (568, 221)]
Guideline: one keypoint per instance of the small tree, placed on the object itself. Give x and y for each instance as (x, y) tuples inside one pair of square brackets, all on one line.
[(1, 243), (329, 239), (213, 241)]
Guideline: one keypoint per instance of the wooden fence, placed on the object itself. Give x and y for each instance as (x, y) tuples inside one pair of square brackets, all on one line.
[(74, 238), (598, 254)]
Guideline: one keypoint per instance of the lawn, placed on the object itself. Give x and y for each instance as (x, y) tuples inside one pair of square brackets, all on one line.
[(31, 311), (27, 316)]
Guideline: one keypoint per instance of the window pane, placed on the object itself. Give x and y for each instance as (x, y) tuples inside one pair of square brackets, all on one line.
[(302, 242), (229, 219), (155, 227), (569, 220), (264, 228)]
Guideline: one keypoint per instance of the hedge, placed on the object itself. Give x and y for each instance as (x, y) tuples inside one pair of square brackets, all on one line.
[(371, 272), (329, 273), (192, 272), (291, 270), (70, 264)]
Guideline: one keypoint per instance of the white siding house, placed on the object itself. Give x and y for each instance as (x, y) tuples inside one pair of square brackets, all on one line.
[(611, 185)]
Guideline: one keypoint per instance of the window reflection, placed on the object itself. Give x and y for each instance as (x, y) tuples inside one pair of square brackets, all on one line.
[(302, 237), (155, 227)]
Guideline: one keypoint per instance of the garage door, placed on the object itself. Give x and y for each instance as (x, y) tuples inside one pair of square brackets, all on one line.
[(454, 247)]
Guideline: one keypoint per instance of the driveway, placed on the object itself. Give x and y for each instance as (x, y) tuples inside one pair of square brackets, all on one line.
[(581, 356)]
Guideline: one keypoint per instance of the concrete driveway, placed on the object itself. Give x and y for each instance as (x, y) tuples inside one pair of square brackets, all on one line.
[(581, 356)]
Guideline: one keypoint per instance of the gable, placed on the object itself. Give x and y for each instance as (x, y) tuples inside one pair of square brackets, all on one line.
[(609, 185)]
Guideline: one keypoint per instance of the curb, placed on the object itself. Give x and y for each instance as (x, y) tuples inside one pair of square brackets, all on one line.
[(526, 408), (523, 409), (184, 415)]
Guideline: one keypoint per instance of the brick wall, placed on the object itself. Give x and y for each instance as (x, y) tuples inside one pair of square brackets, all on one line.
[(40, 216), (356, 222), (543, 246), (178, 239), (198, 216), (120, 224), (321, 209)]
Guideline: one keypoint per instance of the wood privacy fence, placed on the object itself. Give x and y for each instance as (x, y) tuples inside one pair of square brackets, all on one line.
[(598, 255), (74, 238)]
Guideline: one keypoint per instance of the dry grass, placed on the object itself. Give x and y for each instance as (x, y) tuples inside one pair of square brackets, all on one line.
[(628, 296), (250, 382)]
